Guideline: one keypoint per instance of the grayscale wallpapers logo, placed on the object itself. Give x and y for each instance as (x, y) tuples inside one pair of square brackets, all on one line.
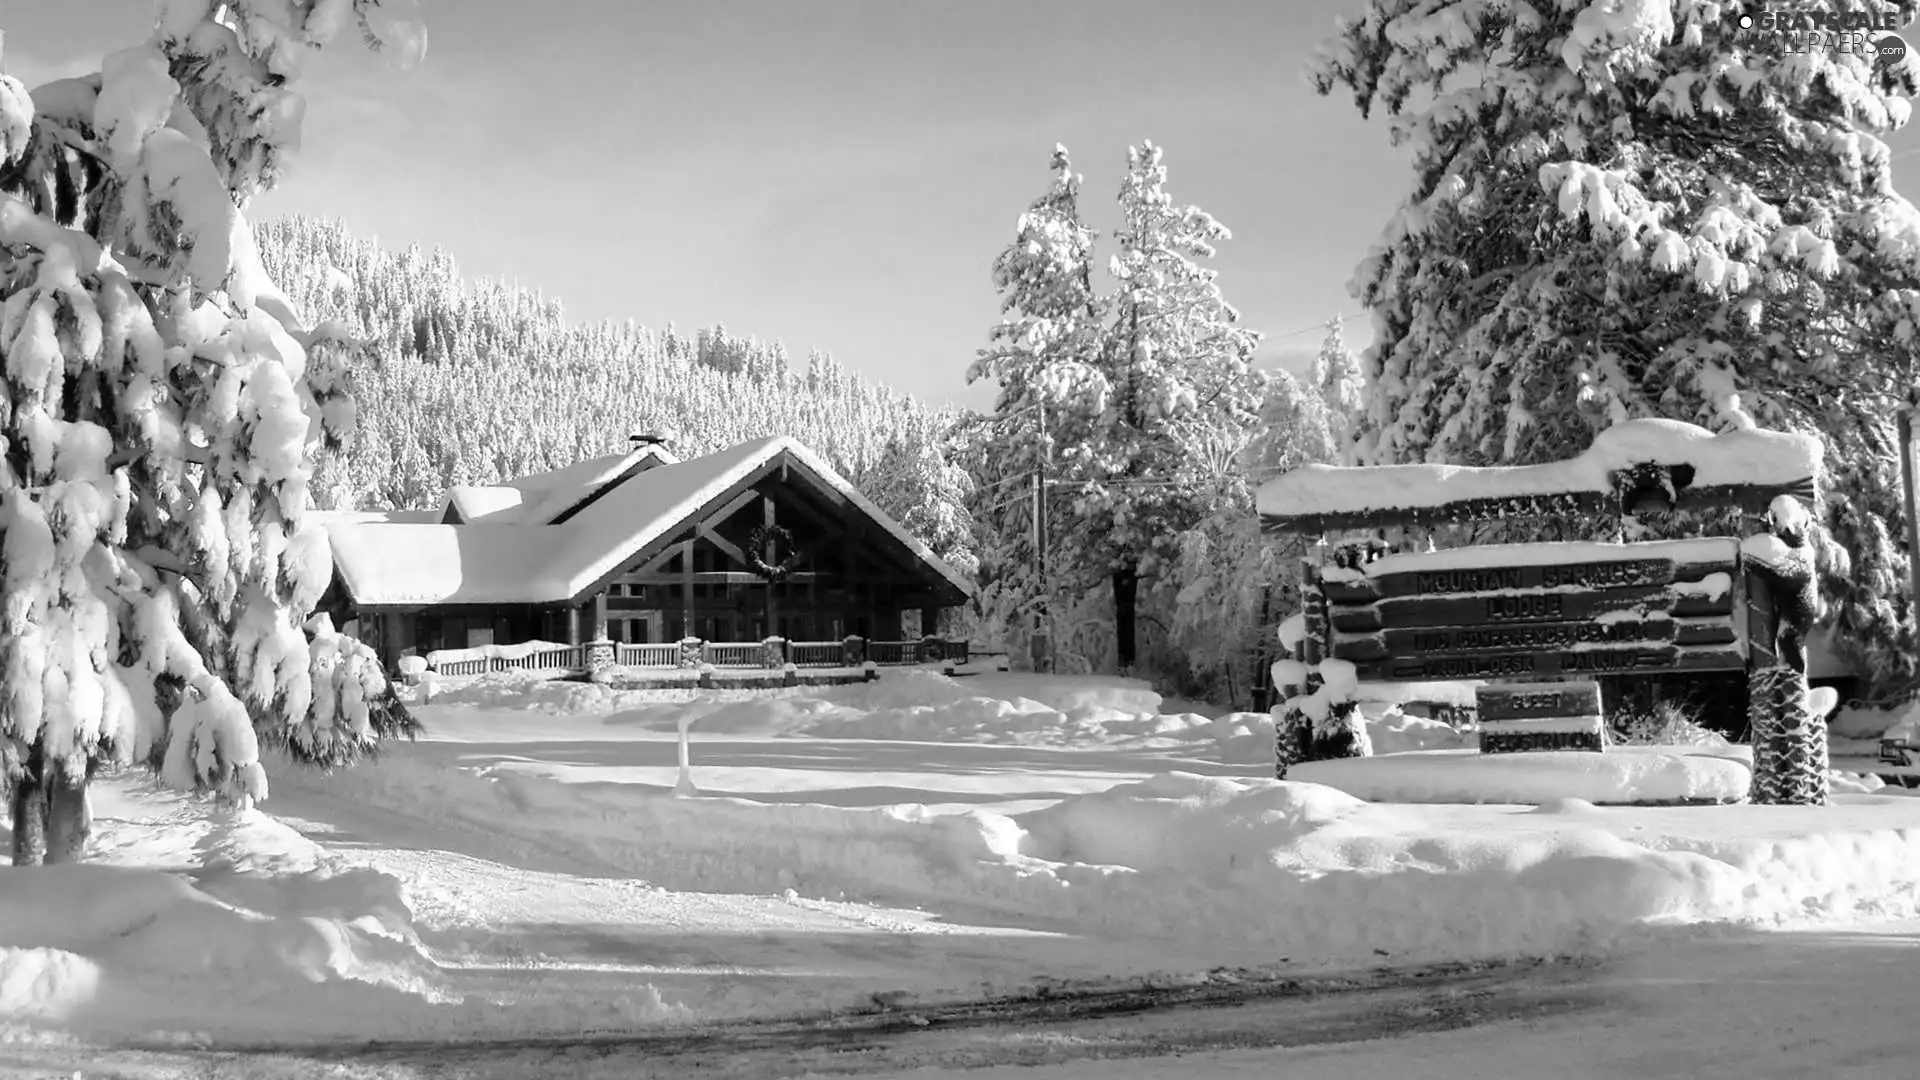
[(1816, 28)]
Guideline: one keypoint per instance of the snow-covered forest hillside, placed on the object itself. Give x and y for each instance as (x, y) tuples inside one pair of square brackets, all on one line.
[(450, 356)]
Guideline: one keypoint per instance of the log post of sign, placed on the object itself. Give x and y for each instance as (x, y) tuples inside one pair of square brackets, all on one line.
[(1292, 728), (1540, 716), (1783, 599)]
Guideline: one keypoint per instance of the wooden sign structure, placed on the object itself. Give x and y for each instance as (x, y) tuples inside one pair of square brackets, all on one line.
[(1524, 616)]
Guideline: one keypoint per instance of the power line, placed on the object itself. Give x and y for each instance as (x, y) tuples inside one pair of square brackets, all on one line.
[(1320, 326)]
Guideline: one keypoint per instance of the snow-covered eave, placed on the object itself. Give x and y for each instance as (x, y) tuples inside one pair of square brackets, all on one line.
[(1745, 469)]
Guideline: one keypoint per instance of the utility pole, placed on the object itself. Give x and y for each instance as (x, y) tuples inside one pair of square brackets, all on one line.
[(1905, 431), (1042, 618)]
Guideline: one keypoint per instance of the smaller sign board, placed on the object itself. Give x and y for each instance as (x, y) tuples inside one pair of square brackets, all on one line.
[(1593, 740), (1529, 701)]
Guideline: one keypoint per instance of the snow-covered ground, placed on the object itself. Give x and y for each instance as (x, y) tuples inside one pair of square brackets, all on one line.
[(528, 868)]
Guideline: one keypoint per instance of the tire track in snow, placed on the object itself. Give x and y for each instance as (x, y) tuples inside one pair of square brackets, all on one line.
[(1228, 1010)]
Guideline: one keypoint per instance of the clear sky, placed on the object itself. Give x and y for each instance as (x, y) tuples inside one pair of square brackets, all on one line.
[(836, 173)]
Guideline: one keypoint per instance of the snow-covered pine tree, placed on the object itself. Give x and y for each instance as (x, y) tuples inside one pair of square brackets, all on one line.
[(1043, 355), (999, 504), (160, 412), (917, 484), (1174, 374), (1222, 576), (1296, 427), (1338, 379), (1638, 197)]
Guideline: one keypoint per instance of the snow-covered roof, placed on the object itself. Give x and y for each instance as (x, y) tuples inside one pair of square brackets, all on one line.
[(1748, 459), (527, 562), (387, 563)]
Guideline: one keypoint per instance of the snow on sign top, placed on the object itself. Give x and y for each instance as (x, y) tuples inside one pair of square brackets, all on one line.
[(1734, 459)]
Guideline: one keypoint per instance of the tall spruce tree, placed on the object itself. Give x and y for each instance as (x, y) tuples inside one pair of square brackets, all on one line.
[(1640, 203), (1175, 377), (1340, 383), (159, 415), (1044, 356)]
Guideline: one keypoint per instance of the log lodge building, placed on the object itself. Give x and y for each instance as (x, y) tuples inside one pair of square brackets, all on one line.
[(761, 539)]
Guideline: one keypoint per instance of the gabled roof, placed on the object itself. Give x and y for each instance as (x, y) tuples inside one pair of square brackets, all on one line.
[(526, 562)]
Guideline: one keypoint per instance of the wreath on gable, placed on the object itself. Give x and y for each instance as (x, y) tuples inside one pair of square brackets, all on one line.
[(781, 541)]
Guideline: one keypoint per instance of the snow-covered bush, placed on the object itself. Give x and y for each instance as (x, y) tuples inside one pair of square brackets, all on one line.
[(1665, 723)]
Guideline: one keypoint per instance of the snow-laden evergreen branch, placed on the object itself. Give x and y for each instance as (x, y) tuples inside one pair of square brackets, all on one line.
[(160, 414)]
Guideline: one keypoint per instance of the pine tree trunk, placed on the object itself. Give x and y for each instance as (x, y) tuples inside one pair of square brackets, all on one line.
[(28, 802), (1126, 598), (69, 819)]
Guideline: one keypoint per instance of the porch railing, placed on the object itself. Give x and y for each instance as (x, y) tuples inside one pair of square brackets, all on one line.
[(720, 654), (734, 653), (815, 653), (565, 658), (885, 653), (660, 654)]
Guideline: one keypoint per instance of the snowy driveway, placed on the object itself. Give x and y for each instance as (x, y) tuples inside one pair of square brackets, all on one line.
[(1775, 1006)]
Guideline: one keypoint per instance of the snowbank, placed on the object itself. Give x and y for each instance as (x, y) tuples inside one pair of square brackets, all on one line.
[(1222, 870), (1624, 774), (921, 705), (905, 703), (266, 937), (1395, 732)]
